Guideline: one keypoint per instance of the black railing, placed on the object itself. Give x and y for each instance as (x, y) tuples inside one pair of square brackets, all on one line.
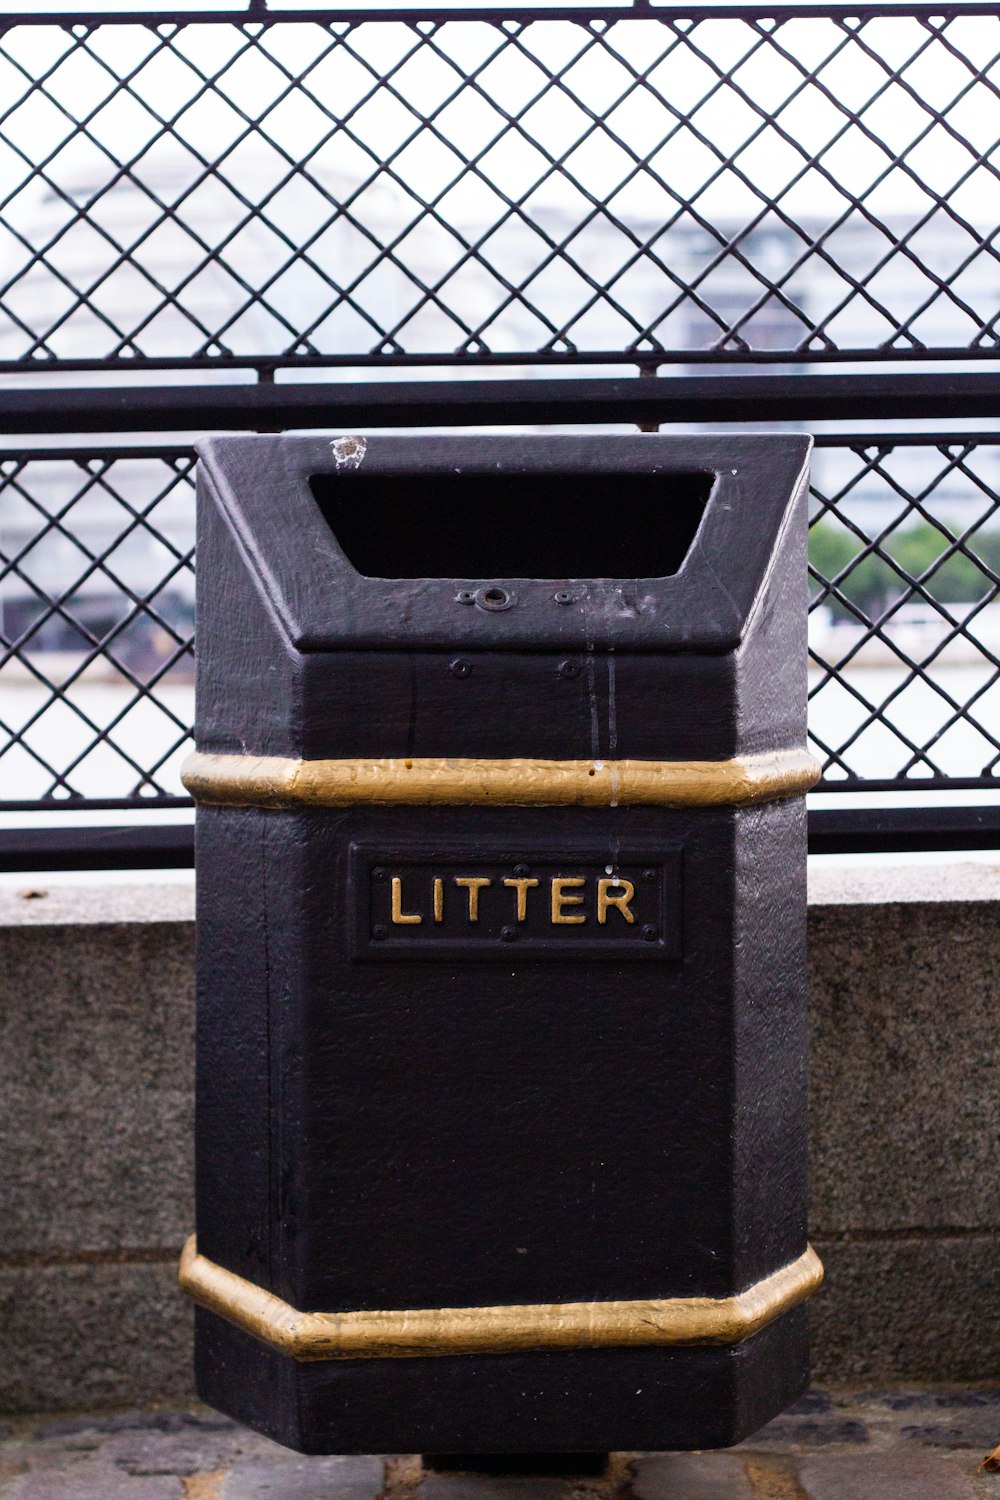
[(261, 220)]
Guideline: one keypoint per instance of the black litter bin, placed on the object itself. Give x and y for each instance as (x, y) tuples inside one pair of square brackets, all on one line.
[(501, 940)]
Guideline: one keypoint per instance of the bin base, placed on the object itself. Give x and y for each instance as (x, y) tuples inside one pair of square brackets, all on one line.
[(583, 1401)]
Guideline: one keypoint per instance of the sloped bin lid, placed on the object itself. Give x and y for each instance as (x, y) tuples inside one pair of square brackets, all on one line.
[(683, 529)]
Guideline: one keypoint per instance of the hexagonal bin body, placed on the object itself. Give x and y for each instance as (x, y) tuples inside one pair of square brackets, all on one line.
[(501, 940)]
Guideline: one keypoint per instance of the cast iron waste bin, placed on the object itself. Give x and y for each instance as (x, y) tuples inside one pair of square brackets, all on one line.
[(501, 940)]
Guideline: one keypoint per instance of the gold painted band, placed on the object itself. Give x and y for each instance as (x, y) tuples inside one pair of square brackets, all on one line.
[(275, 781), (434, 1331)]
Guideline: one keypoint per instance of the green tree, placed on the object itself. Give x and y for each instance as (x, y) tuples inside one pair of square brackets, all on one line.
[(873, 585), (869, 582), (955, 580)]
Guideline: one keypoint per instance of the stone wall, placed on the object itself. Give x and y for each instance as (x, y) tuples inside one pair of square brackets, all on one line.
[(905, 1118), (96, 1027)]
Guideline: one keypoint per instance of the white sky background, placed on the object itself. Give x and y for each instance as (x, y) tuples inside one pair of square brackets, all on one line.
[(935, 76)]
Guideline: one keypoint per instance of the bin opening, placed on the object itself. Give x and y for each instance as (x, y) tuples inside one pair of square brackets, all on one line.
[(503, 525)]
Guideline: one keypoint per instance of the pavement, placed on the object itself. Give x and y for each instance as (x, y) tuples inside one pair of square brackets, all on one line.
[(888, 1444)]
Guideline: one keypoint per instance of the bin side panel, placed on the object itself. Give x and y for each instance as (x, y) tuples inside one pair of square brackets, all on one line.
[(770, 1039), (233, 1114), (772, 661), (248, 693)]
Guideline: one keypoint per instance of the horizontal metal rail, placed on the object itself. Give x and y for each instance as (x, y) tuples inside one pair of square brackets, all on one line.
[(903, 830), (265, 367), (891, 830), (258, 13), (33, 849), (761, 398)]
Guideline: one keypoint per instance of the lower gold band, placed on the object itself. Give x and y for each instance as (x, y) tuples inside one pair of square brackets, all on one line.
[(494, 1330), (274, 781)]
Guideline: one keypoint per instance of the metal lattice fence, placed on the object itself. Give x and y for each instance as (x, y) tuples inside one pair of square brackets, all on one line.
[(263, 198), (97, 604), (623, 186), (905, 623)]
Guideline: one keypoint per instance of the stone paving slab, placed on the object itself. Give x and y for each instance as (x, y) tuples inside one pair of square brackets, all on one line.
[(885, 1444)]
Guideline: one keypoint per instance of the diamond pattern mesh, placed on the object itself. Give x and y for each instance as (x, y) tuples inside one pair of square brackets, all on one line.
[(524, 188), (905, 620), (97, 611)]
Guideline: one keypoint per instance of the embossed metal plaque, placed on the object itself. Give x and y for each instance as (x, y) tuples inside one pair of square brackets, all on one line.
[(516, 904)]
